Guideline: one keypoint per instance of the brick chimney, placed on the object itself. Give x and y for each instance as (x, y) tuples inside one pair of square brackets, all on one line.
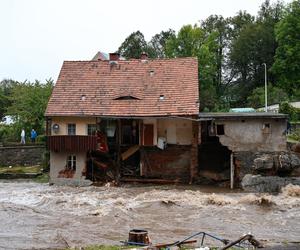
[(144, 56), (114, 56)]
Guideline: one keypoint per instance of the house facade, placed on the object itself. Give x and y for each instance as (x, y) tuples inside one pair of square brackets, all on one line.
[(124, 119)]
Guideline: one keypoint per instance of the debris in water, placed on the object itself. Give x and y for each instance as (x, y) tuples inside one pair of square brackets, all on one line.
[(264, 200), (217, 200), (291, 190), (168, 203)]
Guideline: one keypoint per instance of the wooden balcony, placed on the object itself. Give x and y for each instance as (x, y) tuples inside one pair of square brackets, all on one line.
[(71, 143)]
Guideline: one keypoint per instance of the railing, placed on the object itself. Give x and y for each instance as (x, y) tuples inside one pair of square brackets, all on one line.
[(71, 143)]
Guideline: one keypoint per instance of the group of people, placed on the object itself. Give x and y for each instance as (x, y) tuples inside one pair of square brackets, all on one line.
[(33, 136)]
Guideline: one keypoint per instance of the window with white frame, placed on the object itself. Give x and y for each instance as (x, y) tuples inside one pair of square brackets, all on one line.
[(91, 129), (71, 129), (71, 162)]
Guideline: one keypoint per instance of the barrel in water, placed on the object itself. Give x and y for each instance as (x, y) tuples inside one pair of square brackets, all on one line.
[(138, 236)]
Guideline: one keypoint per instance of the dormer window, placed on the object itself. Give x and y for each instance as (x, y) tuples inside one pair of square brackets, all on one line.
[(127, 97), (161, 97)]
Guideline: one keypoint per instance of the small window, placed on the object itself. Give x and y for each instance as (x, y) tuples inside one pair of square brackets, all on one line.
[(151, 72), (91, 129), (220, 129), (266, 128), (71, 162), (161, 97), (72, 129)]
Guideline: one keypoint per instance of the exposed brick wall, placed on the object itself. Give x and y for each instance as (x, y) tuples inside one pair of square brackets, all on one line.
[(22, 155), (170, 163)]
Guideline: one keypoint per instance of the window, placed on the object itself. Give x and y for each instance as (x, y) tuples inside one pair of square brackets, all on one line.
[(72, 129), (71, 162), (220, 129), (91, 129), (266, 128)]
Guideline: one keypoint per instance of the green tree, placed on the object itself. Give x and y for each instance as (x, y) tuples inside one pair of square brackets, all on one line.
[(134, 45), (6, 87), (157, 44), (275, 95), (193, 41), (28, 105), (286, 66), (253, 44)]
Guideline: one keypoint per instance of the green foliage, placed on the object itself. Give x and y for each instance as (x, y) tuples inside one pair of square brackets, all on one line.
[(194, 41), (6, 87), (133, 46), (293, 113), (28, 102), (287, 66), (157, 44), (275, 95)]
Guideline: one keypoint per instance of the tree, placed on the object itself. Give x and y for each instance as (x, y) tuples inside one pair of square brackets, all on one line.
[(286, 66), (133, 46), (158, 43), (253, 44), (6, 87), (193, 41), (28, 104), (275, 96)]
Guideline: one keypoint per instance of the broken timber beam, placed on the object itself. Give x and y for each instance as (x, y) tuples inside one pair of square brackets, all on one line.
[(129, 152)]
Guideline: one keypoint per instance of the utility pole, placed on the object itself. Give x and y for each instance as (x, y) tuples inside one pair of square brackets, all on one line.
[(266, 89)]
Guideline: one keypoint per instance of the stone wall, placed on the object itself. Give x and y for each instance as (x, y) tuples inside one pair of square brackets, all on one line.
[(266, 164), (22, 155)]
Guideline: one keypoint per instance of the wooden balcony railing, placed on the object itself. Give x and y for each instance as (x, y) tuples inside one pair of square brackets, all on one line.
[(71, 143)]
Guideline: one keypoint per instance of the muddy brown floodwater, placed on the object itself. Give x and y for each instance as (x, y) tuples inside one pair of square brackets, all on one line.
[(39, 216)]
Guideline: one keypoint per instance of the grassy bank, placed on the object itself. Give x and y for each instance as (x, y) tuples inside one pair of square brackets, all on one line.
[(29, 172)]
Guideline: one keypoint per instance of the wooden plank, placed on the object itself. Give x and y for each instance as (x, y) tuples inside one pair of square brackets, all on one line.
[(125, 155)]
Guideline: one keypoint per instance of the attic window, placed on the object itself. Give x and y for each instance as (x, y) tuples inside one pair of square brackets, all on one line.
[(161, 97), (127, 97), (83, 97), (151, 72)]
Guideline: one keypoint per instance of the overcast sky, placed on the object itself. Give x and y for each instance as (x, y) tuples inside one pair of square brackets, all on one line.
[(38, 35)]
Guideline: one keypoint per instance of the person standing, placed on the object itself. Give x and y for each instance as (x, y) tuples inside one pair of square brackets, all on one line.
[(33, 135), (23, 136)]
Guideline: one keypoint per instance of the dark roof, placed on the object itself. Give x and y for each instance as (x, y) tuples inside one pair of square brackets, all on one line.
[(249, 115), (158, 87)]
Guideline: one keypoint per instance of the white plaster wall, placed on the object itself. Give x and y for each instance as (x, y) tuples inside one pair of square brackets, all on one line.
[(154, 122), (249, 135), (176, 131), (81, 124), (58, 162)]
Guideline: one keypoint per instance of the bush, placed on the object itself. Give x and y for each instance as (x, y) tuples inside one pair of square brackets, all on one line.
[(295, 135), (293, 113)]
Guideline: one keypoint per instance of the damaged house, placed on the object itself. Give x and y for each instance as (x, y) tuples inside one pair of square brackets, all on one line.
[(233, 145), (124, 120)]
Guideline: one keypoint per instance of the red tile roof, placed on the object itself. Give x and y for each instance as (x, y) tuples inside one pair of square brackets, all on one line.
[(89, 88)]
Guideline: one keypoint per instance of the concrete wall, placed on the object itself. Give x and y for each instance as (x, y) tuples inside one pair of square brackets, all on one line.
[(251, 135), (22, 155), (81, 124), (58, 163), (176, 131)]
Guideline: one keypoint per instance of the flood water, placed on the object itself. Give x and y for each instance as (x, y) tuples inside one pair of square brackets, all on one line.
[(39, 216)]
